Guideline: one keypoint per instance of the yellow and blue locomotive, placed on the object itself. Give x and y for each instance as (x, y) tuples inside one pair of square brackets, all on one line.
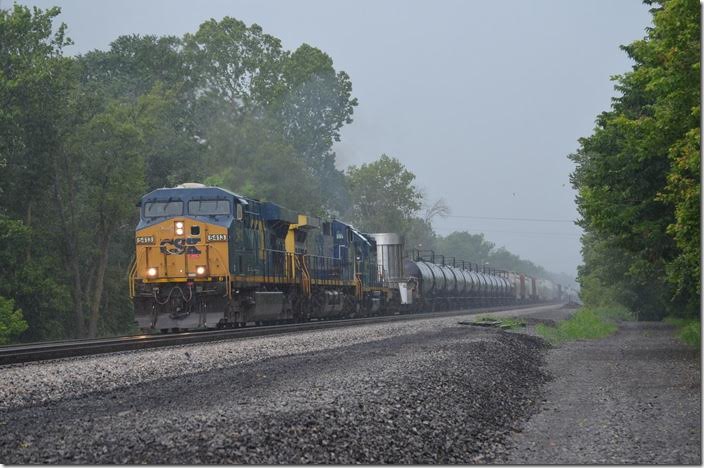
[(207, 257)]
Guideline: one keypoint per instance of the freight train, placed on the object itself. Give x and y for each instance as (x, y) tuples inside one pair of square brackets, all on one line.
[(209, 258)]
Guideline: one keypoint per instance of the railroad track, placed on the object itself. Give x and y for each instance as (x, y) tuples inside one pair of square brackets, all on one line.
[(14, 354)]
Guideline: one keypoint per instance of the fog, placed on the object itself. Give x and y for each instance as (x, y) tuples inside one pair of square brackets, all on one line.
[(483, 101)]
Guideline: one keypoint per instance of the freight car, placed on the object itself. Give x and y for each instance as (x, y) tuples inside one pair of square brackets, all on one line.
[(207, 257)]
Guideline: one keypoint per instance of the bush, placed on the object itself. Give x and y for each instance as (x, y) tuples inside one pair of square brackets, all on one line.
[(585, 324), (11, 322), (691, 333), (689, 330)]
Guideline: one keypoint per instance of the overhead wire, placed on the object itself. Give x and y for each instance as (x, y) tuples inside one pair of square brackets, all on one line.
[(539, 220), (481, 231)]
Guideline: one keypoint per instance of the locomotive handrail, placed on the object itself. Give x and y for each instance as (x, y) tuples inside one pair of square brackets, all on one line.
[(228, 287), (305, 274), (131, 277)]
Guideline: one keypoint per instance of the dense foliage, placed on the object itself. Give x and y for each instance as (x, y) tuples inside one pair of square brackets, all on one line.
[(82, 138), (638, 175)]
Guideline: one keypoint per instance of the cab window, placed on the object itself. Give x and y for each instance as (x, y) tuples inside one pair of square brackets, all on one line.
[(208, 207), (162, 209)]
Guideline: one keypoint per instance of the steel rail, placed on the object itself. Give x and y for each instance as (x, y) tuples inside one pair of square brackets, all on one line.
[(15, 354)]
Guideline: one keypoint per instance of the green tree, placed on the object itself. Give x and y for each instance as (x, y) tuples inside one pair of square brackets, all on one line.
[(248, 157), (465, 246), (383, 197), (133, 67), (311, 107), (635, 175), (244, 78), (673, 59), (32, 284), (32, 88), (233, 62), (35, 80), (110, 146)]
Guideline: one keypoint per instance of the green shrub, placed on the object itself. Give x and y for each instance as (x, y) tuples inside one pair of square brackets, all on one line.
[(11, 322), (505, 323), (585, 324), (689, 330), (691, 333), (615, 312)]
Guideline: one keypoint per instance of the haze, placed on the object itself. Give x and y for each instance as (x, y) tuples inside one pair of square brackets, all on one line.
[(483, 101)]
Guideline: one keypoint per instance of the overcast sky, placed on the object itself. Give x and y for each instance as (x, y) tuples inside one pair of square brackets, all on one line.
[(483, 101)]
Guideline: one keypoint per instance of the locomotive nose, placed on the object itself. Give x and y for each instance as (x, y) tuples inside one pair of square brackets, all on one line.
[(182, 249)]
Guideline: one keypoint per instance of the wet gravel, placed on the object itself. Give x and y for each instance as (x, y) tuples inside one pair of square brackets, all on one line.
[(428, 391), (631, 398), (41, 382)]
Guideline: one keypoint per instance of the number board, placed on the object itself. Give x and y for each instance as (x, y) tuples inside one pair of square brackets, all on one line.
[(145, 239), (217, 237)]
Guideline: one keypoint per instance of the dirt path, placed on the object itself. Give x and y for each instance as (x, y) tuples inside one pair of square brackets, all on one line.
[(634, 397)]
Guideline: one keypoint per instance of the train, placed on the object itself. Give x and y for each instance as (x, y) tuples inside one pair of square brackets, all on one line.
[(206, 257)]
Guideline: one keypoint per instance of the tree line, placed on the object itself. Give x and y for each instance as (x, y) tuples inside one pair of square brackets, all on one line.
[(638, 175), (83, 137)]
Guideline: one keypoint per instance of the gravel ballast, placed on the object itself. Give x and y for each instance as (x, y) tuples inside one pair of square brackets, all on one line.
[(422, 391), (427, 391)]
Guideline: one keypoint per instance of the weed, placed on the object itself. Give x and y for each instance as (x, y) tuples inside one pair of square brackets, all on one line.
[(585, 324), (690, 330), (508, 323)]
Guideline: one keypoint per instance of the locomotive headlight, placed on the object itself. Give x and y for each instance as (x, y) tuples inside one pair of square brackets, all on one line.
[(200, 270), (151, 272), (179, 228)]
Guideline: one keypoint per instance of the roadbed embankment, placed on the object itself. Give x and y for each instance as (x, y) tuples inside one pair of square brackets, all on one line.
[(423, 391)]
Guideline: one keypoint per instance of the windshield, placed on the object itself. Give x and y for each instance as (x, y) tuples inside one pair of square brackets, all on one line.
[(209, 207), (159, 209)]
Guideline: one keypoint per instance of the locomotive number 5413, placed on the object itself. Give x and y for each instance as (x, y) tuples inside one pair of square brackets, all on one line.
[(217, 237)]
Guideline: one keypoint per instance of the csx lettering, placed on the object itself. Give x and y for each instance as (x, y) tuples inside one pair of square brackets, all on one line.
[(178, 246)]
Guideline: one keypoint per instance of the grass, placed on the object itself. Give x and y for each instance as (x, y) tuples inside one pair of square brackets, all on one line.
[(585, 324), (508, 323), (690, 330)]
